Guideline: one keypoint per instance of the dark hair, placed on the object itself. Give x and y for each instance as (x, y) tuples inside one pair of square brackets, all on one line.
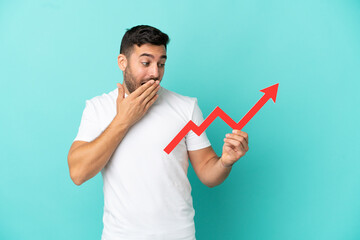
[(140, 35)]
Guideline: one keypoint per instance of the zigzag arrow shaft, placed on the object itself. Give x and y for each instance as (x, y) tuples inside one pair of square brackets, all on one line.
[(270, 92)]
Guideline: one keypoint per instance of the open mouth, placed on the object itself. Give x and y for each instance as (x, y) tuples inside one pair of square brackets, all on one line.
[(143, 83)]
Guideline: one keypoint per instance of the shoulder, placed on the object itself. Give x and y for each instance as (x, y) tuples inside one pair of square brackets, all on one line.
[(177, 99), (103, 100), (102, 107)]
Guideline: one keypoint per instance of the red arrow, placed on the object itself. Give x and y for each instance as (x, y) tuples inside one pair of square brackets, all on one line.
[(270, 92)]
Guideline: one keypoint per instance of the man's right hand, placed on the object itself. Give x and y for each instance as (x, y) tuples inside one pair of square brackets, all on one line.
[(132, 108)]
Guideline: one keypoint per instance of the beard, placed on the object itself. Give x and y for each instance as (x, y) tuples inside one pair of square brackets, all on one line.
[(130, 82)]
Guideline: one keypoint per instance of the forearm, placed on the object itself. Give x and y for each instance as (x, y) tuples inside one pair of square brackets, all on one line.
[(87, 160), (215, 172)]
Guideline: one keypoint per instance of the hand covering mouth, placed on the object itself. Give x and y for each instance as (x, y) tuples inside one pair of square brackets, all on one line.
[(147, 81)]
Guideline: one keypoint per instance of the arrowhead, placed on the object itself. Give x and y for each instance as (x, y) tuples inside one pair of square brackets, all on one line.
[(271, 92)]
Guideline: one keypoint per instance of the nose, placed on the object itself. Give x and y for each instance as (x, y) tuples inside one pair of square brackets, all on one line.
[(154, 72)]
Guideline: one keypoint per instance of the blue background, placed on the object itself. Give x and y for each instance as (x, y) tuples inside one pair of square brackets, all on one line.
[(301, 176)]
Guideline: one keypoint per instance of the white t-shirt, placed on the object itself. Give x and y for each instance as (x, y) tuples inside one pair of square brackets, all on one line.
[(147, 194)]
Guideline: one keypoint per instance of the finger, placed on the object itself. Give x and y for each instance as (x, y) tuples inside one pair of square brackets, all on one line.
[(146, 98), (148, 91), (151, 102), (236, 144), (240, 138), (120, 90), (241, 133), (226, 144), (142, 89), (229, 149)]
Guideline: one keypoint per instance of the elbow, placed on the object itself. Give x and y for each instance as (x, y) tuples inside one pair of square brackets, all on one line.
[(76, 180), (207, 182), (211, 185), (75, 175)]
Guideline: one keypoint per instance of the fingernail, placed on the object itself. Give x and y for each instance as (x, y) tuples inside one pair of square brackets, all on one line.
[(227, 135), (151, 81)]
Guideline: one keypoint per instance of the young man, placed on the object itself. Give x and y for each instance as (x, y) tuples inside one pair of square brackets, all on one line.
[(147, 194)]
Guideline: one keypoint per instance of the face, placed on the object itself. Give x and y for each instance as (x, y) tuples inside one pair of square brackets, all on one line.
[(145, 63)]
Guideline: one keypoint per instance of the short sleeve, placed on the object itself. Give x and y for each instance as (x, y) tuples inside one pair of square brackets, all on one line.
[(193, 141), (89, 128)]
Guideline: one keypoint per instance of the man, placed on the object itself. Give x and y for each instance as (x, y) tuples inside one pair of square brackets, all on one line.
[(147, 194)]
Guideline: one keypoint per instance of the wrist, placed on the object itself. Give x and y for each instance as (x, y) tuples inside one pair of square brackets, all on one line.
[(121, 123), (224, 164)]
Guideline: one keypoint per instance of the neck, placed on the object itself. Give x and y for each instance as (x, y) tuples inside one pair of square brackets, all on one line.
[(126, 90)]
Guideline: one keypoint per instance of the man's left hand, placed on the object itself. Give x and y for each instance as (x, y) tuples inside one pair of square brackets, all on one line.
[(235, 147)]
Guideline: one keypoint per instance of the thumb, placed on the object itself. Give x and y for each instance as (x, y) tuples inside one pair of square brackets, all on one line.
[(121, 91)]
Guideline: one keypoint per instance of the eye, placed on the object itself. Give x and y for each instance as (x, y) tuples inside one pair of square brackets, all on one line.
[(145, 63), (162, 65)]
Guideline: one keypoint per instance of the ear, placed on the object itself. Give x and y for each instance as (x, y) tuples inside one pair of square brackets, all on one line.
[(122, 62)]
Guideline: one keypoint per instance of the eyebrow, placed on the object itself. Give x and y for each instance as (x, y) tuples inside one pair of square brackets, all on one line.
[(149, 55)]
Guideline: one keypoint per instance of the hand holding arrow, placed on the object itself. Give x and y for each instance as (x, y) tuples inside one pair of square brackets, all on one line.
[(270, 92)]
